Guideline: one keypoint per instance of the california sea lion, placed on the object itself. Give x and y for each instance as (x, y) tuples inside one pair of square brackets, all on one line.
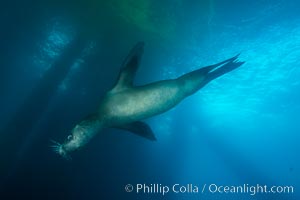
[(125, 105)]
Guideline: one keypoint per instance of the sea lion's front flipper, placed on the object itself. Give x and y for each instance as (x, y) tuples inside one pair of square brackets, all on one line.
[(129, 67), (139, 128)]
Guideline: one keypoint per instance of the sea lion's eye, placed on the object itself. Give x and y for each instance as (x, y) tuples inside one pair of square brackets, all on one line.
[(70, 137)]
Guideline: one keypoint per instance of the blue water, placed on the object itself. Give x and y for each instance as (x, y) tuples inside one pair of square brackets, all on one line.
[(58, 60)]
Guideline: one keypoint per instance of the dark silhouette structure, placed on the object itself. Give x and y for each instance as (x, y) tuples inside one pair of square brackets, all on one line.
[(20, 126)]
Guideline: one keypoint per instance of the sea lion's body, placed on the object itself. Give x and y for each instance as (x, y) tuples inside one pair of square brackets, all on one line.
[(125, 105), (138, 103)]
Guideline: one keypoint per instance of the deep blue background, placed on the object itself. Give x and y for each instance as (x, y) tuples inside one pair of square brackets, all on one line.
[(58, 59)]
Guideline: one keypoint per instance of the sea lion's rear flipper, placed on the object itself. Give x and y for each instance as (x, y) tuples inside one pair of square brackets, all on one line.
[(139, 128), (129, 68), (208, 69), (195, 80), (223, 70)]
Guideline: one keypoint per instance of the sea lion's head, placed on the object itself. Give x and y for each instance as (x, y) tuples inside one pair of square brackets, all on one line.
[(80, 135)]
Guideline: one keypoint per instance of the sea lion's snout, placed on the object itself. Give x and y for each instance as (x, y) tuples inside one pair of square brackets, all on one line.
[(60, 149)]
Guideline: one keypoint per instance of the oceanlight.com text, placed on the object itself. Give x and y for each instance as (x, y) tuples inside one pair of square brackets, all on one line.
[(156, 188)]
